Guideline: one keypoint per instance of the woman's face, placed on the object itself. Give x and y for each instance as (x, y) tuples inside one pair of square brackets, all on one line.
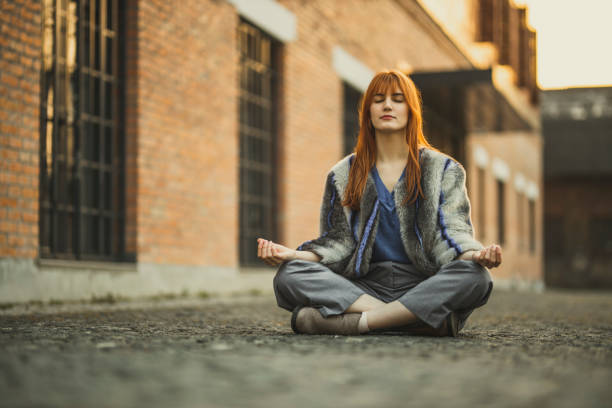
[(389, 112)]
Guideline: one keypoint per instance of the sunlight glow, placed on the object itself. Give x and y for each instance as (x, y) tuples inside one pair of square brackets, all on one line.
[(573, 41)]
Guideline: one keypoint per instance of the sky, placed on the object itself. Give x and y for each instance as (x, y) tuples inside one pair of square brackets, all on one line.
[(574, 40)]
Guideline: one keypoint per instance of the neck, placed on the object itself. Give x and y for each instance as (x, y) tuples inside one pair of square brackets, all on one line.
[(391, 146)]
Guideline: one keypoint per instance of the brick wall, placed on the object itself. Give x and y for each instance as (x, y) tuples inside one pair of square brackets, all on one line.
[(182, 119), (20, 55), (522, 152), (184, 97)]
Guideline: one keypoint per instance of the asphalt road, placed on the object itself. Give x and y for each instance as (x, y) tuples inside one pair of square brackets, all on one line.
[(552, 349)]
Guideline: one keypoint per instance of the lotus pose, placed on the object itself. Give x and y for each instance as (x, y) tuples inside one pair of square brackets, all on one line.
[(396, 249)]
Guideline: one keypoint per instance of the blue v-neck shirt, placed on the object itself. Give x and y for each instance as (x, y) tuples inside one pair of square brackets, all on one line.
[(388, 243)]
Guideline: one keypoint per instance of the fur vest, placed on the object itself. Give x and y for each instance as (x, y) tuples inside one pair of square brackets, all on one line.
[(434, 230)]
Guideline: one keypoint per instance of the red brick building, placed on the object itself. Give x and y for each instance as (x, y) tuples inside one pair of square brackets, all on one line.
[(146, 144)]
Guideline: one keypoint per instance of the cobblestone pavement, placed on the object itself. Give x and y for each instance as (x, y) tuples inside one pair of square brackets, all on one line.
[(521, 349)]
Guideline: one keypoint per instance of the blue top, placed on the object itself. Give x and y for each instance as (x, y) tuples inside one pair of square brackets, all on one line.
[(388, 243)]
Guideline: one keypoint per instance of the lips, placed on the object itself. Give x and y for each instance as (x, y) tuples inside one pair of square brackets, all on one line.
[(387, 117)]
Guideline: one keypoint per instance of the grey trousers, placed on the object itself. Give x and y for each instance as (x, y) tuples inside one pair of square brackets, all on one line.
[(459, 286)]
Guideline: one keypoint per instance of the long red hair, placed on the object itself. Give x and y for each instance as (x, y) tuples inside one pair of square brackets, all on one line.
[(365, 151)]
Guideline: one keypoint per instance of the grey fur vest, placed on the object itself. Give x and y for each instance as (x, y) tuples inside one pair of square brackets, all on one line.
[(434, 230)]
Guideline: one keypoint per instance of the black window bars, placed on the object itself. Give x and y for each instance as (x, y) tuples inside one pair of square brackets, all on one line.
[(501, 212), (82, 151), (350, 116), (258, 79)]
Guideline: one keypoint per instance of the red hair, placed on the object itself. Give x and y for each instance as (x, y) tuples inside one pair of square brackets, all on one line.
[(365, 151)]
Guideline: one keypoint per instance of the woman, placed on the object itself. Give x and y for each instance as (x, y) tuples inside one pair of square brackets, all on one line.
[(396, 249)]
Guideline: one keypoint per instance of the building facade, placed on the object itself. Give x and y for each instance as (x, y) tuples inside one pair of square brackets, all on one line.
[(576, 124), (146, 144)]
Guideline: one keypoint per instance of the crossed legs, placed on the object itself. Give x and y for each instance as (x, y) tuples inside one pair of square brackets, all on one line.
[(459, 286), (382, 315)]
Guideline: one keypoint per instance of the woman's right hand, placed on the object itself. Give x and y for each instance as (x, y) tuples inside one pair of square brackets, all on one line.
[(274, 254)]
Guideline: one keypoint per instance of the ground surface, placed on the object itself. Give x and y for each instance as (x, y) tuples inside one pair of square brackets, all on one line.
[(552, 349)]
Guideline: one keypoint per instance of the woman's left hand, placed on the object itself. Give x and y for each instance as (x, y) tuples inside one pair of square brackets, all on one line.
[(489, 257), (274, 254)]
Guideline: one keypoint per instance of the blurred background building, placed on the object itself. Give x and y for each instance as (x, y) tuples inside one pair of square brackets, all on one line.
[(577, 128), (145, 145)]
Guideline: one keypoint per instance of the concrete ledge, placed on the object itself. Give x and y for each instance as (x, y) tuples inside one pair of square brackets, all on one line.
[(270, 16), (350, 69), (501, 171), (518, 284), (23, 280), (86, 265), (481, 157)]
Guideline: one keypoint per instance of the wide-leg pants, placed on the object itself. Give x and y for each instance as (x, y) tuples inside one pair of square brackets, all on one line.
[(459, 286)]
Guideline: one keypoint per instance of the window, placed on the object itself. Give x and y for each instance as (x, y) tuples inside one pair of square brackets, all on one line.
[(501, 212), (258, 106), (82, 154), (481, 203), (600, 234), (486, 20), (555, 236), (351, 98), (532, 227), (520, 220)]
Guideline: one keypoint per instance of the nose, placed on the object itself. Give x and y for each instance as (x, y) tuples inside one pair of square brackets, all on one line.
[(387, 104)]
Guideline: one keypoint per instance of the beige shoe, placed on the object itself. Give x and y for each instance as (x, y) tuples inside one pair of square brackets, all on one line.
[(308, 320)]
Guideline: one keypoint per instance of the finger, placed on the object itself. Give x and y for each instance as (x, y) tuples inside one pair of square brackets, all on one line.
[(498, 255), (259, 243), (269, 257), (269, 249), (485, 257), (494, 255), (265, 250)]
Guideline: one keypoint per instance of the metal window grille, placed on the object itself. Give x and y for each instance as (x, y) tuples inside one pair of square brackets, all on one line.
[(82, 153), (444, 119), (501, 212), (523, 48), (481, 203), (504, 45), (350, 116), (258, 140), (532, 67), (520, 204), (532, 227), (485, 20)]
